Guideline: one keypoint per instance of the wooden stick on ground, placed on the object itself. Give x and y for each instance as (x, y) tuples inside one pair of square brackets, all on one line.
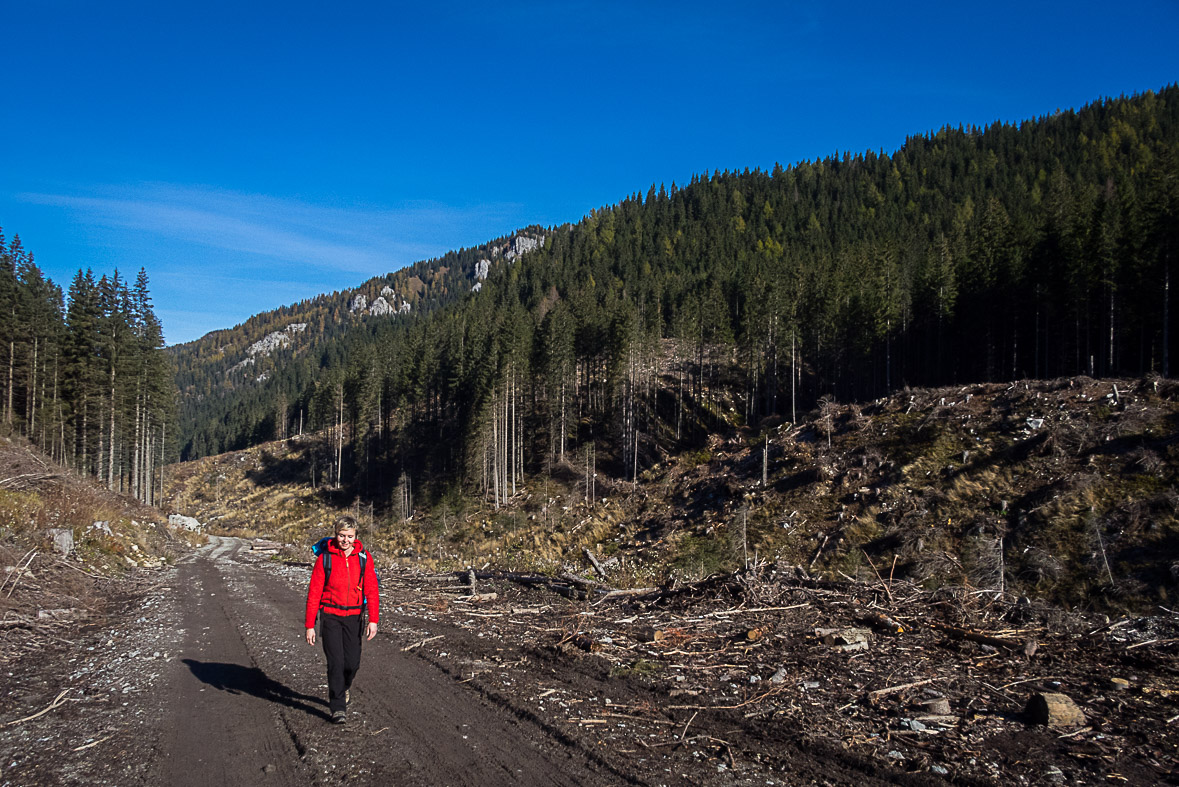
[(984, 639), (21, 572), (57, 703), (423, 642), (93, 743), (686, 726), (875, 695)]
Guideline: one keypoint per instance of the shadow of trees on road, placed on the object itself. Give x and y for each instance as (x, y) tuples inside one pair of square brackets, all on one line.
[(237, 679)]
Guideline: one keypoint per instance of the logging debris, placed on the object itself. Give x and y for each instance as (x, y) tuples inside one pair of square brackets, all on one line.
[(939, 681)]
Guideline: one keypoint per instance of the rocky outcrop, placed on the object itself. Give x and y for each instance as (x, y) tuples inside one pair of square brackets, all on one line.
[(358, 303), (521, 245), (275, 340), (237, 367), (381, 307), (482, 267)]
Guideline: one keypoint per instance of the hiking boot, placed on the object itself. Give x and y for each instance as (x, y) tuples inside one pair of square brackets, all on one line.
[(339, 717)]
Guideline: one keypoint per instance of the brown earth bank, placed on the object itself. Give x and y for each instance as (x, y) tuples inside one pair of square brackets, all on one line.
[(198, 675)]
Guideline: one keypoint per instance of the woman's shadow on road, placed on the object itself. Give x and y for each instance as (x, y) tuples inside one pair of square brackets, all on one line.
[(237, 679)]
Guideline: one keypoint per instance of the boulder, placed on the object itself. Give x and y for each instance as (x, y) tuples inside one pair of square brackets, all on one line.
[(186, 522)]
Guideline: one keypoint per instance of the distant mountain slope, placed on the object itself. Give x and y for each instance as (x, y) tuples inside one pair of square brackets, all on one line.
[(226, 368), (970, 255)]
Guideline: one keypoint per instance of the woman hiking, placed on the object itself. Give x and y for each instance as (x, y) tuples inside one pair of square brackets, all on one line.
[(343, 583)]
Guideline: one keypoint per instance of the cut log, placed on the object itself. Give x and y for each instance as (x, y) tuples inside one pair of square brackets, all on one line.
[(881, 622), (1054, 710), (478, 598), (982, 639)]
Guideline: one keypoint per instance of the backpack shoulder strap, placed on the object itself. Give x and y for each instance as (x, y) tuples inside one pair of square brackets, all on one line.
[(327, 567)]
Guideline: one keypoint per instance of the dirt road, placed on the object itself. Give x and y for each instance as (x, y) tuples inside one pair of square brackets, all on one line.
[(253, 704), (212, 685), (204, 679)]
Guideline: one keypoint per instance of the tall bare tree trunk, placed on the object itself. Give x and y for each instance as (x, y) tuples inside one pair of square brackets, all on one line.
[(340, 439), (110, 468), (495, 449), (11, 365), (135, 452), (163, 442), (32, 406)]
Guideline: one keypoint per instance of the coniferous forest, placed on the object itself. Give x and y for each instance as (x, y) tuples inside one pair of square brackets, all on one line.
[(1031, 250), (88, 383)]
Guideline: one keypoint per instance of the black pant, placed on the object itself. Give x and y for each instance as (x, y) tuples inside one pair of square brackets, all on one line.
[(341, 644)]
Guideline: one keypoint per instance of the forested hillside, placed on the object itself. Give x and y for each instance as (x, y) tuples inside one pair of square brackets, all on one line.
[(88, 383), (1040, 249)]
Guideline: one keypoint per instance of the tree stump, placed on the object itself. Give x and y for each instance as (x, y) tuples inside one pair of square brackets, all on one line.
[(1054, 710)]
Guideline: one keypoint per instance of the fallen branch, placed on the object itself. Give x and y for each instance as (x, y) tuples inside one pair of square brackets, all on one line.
[(57, 703), (875, 695), (93, 743), (727, 612), (629, 593), (594, 562), (974, 636), (887, 589), (1152, 642), (21, 571), (478, 598), (686, 726), (26, 480), (67, 564), (423, 642)]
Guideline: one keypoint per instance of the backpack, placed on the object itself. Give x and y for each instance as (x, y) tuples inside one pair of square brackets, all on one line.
[(319, 548)]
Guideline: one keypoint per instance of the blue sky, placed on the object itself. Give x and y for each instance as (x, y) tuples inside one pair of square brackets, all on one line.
[(252, 154)]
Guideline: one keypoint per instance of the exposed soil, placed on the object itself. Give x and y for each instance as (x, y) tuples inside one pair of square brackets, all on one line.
[(203, 678)]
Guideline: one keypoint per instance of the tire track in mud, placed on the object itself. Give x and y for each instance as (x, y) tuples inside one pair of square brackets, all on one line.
[(249, 702)]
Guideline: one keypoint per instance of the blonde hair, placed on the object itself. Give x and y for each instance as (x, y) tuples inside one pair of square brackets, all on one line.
[(346, 523)]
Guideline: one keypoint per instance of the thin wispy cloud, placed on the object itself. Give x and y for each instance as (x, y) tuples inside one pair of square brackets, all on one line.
[(364, 240)]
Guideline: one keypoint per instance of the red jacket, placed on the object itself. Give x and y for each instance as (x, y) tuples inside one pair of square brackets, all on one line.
[(344, 594)]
